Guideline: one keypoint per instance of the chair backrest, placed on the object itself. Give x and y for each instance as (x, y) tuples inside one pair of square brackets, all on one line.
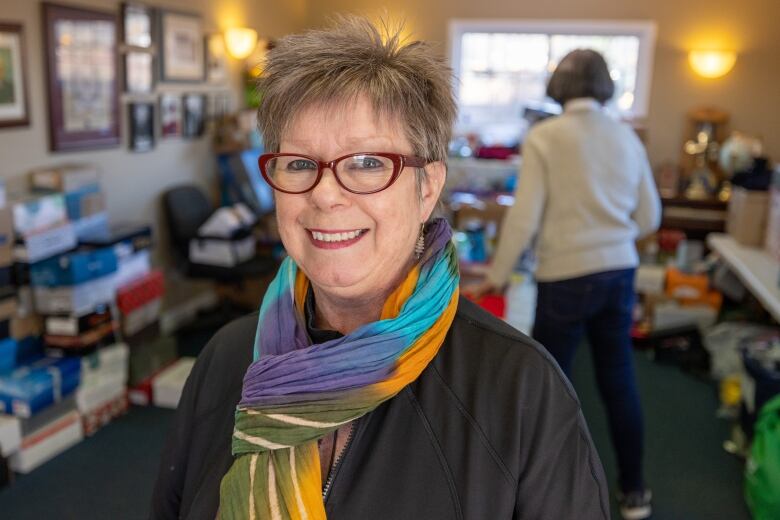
[(186, 209)]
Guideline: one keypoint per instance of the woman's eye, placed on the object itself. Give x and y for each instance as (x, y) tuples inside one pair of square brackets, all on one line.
[(367, 163), (299, 165)]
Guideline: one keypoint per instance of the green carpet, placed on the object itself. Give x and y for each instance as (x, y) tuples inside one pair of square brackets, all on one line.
[(691, 476)]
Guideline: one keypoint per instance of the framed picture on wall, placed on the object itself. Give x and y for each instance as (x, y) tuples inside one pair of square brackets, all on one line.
[(82, 77), (170, 115), (182, 47), (216, 59), (194, 115), (137, 25), (139, 73), (13, 78), (141, 119)]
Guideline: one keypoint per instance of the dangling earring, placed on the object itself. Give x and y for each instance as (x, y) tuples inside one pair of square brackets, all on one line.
[(419, 247)]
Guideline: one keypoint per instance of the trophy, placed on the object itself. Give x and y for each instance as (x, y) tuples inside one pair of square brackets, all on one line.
[(702, 152)]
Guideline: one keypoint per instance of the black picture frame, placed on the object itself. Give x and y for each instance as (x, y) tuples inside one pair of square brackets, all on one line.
[(140, 117), (170, 115), (194, 119), (82, 77), (182, 47), (14, 101)]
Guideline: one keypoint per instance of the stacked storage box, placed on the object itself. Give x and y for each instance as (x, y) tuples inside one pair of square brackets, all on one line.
[(150, 354), (69, 281), (102, 394), (168, 385), (139, 293), (40, 395), (139, 289), (41, 227), (79, 184)]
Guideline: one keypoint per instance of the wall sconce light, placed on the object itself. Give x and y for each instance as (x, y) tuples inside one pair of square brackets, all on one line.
[(240, 42), (711, 64)]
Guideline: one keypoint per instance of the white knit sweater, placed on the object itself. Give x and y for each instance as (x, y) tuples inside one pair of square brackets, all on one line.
[(587, 189)]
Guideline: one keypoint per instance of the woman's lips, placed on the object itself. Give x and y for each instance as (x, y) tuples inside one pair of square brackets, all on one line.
[(335, 239)]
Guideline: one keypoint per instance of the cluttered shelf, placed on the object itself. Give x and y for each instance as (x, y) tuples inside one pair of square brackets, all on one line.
[(755, 268)]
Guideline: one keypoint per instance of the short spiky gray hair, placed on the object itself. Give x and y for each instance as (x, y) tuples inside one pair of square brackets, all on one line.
[(354, 58)]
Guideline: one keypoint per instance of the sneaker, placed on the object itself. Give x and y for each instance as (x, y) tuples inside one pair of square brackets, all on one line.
[(635, 505)]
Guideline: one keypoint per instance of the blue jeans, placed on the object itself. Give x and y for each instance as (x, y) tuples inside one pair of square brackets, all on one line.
[(599, 307)]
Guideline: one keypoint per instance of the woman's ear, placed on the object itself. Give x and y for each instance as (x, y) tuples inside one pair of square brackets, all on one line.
[(431, 188)]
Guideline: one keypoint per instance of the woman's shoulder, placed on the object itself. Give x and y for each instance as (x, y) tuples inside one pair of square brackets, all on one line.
[(221, 365), (485, 355), (476, 331)]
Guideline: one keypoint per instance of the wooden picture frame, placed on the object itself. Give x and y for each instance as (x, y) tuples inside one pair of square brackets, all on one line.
[(137, 26), (82, 77), (182, 47), (14, 103)]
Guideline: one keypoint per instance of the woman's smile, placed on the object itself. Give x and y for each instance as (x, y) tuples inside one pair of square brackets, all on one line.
[(335, 239)]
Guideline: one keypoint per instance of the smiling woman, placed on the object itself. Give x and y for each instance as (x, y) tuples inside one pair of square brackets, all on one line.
[(370, 389)]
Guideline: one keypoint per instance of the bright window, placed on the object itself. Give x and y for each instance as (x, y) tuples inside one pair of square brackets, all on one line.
[(503, 66)]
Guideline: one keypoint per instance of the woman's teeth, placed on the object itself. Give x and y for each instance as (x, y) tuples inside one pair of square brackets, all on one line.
[(336, 237)]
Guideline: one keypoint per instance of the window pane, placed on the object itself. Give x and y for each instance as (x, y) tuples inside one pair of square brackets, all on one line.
[(502, 68)]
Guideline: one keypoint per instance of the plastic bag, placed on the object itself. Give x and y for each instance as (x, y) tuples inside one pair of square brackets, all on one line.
[(762, 472)]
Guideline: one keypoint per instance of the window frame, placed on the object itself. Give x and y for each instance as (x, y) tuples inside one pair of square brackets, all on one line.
[(644, 30)]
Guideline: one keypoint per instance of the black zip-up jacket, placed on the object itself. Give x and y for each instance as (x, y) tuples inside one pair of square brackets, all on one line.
[(490, 430)]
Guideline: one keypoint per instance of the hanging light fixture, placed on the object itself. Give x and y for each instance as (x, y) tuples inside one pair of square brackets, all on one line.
[(240, 42)]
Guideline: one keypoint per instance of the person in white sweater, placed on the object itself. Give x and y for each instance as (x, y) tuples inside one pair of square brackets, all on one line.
[(586, 193)]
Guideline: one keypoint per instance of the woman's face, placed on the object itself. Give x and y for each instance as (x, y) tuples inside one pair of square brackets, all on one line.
[(388, 222)]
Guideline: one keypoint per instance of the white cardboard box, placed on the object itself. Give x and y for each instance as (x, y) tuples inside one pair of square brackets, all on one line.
[(92, 396), (168, 385), (41, 245), (75, 299), (221, 252), (650, 279), (47, 442), (10, 435)]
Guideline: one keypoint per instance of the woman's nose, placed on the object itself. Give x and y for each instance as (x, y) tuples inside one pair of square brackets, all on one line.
[(328, 192)]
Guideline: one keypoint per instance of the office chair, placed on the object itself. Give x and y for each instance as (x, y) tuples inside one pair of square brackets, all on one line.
[(186, 208)]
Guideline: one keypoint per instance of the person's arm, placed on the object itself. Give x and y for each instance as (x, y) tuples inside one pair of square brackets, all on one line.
[(522, 220), (647, 214), (166, 499), (562, 476)]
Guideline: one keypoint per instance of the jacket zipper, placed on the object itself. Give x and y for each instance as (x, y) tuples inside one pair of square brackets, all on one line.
[(332, 473)]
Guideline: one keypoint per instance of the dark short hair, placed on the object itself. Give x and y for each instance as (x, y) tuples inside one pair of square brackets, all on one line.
[(582, 73)]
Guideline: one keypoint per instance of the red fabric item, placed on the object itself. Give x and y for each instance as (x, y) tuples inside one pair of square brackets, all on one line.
[(494, 304), (140, 292)]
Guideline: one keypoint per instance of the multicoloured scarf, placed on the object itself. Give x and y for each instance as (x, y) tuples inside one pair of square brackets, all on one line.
[(296, 392)]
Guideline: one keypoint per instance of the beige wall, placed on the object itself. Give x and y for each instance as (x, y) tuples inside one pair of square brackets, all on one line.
[(132, 181), (751, 92)]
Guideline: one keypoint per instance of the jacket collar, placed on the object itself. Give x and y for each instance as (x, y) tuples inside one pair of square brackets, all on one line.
[(582, 105)]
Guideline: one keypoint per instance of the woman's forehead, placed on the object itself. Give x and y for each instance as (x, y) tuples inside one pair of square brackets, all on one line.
[(346, 125)]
